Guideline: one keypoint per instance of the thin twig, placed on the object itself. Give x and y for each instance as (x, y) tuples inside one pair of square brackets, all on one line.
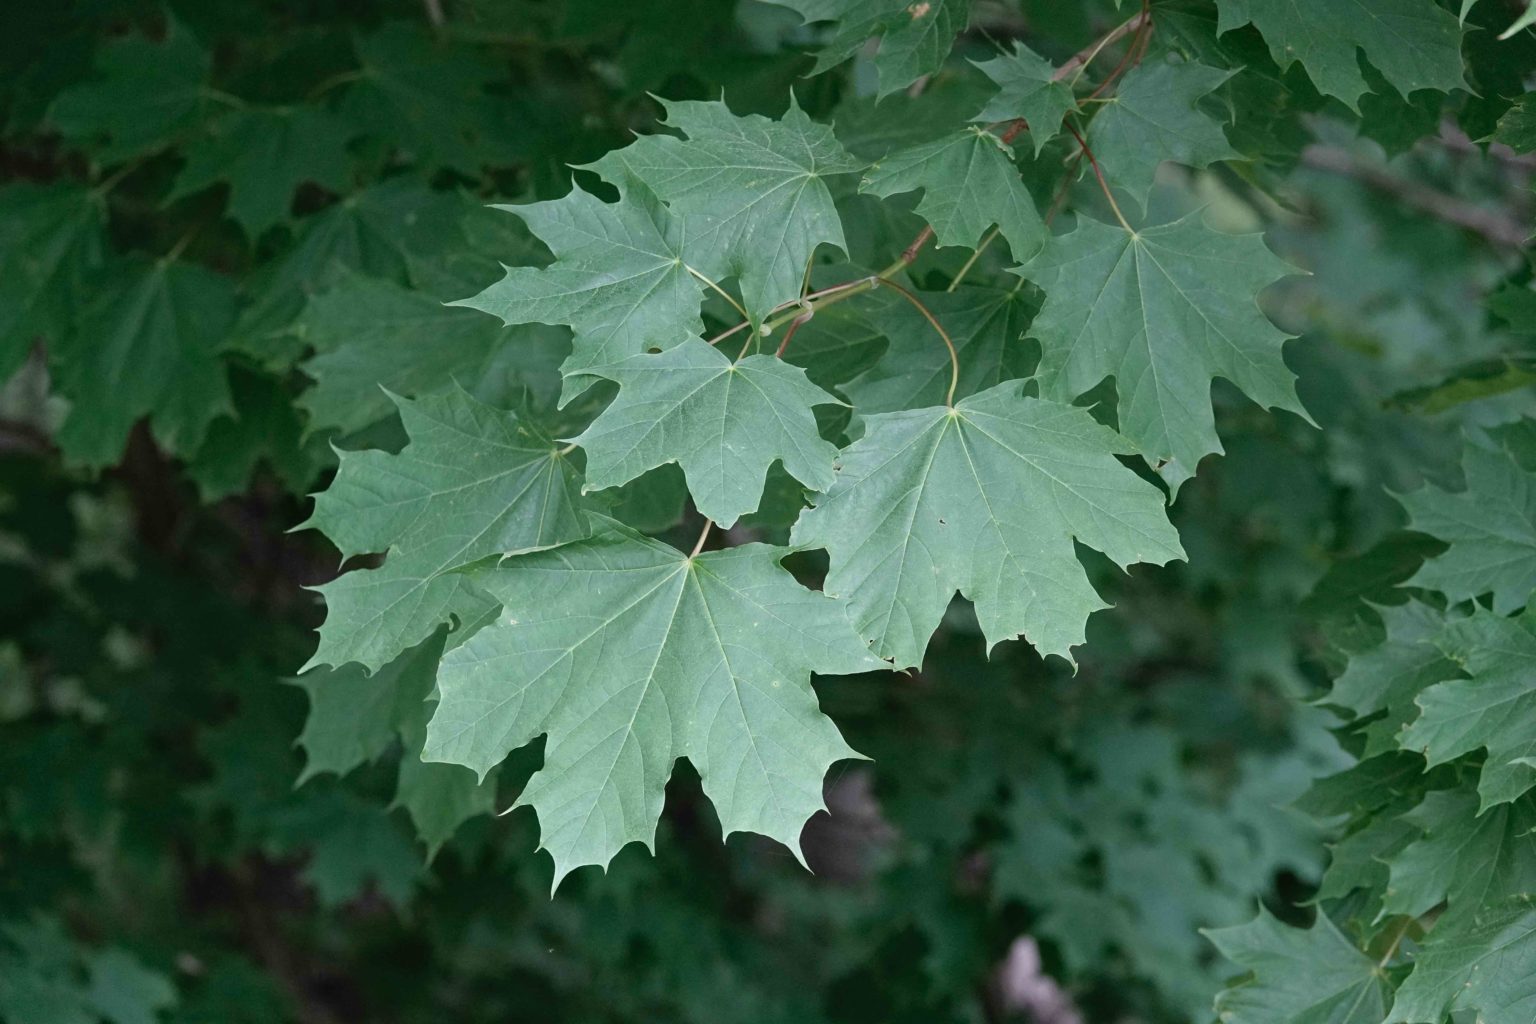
[(1125, 60), (1099, 173), (794, 325), (954, 357), (1081, 58)]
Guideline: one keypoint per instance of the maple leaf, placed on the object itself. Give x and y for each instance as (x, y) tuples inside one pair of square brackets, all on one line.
[(145, 347), (619, 279), (1154, 116), (50, 247), (1415, 44), (1387, 677), (915, 35), (472, 482), (146, 93), (1162, 310), (1517, 126), (1485, 969), (429, 99), (1300, 976), (1495, 709), (1490, 527), (370, 334), (630, 654), (355, 718), (382, 231), (986, 498), (723, 422), (986, 326), (969, 184), (751, 192), (265, 154), (1027, 87), (1467, 859)]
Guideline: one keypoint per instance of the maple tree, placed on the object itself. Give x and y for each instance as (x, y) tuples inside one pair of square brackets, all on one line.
[(1064, 472)]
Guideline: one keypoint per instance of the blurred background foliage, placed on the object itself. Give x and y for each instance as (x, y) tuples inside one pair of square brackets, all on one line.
[(1028, 843)]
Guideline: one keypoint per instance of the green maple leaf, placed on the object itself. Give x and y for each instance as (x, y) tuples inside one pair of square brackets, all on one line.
[(383, 231), (355, 718), (265, 154), (1485, 969), (50, 246), (987, 328), (1470, 860), (146, 94), (914, 37), (1389, 676), (723, 422), (1495, 709), (1027, 87), (987, 498), (429, 99), (369, 334), (264, 427), (1490, 527), (472, 482), (1153, 116), (619, 279), (1300, 976), (751, 192), (630, 654), (1517, 126), (969, 183), (1415, 44), (146, 346), (1162, 310)]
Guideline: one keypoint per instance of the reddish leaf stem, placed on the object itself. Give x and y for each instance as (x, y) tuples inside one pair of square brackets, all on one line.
[(1099, 173), (954, 357)]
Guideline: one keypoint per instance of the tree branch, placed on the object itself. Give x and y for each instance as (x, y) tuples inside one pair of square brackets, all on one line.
[(1495, 227)]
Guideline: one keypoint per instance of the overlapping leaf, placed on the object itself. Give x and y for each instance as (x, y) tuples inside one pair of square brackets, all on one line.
[(1495, 709), (914, 37), (620, 279), (751, 192), (969, 184), (1027, 87), (1381, 683), (1300, 976), (723, 422), (473, 482), (145, 346), (1155, 116), (1162, 311), (1415, 44), (1490, 527), (50, 246), (629, 654), (986, 498)]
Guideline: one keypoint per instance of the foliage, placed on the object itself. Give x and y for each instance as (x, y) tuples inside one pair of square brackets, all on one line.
[(662, 373)]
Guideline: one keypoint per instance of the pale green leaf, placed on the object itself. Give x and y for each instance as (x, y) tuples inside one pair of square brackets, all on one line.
[(1384, 680), (629, 654), (988, 499), (751, 192), (1027, 87), (473, 482), (1488, 969), (619, 279), (969, 184), (723, 422), (1162, 311), (1153, 116)]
